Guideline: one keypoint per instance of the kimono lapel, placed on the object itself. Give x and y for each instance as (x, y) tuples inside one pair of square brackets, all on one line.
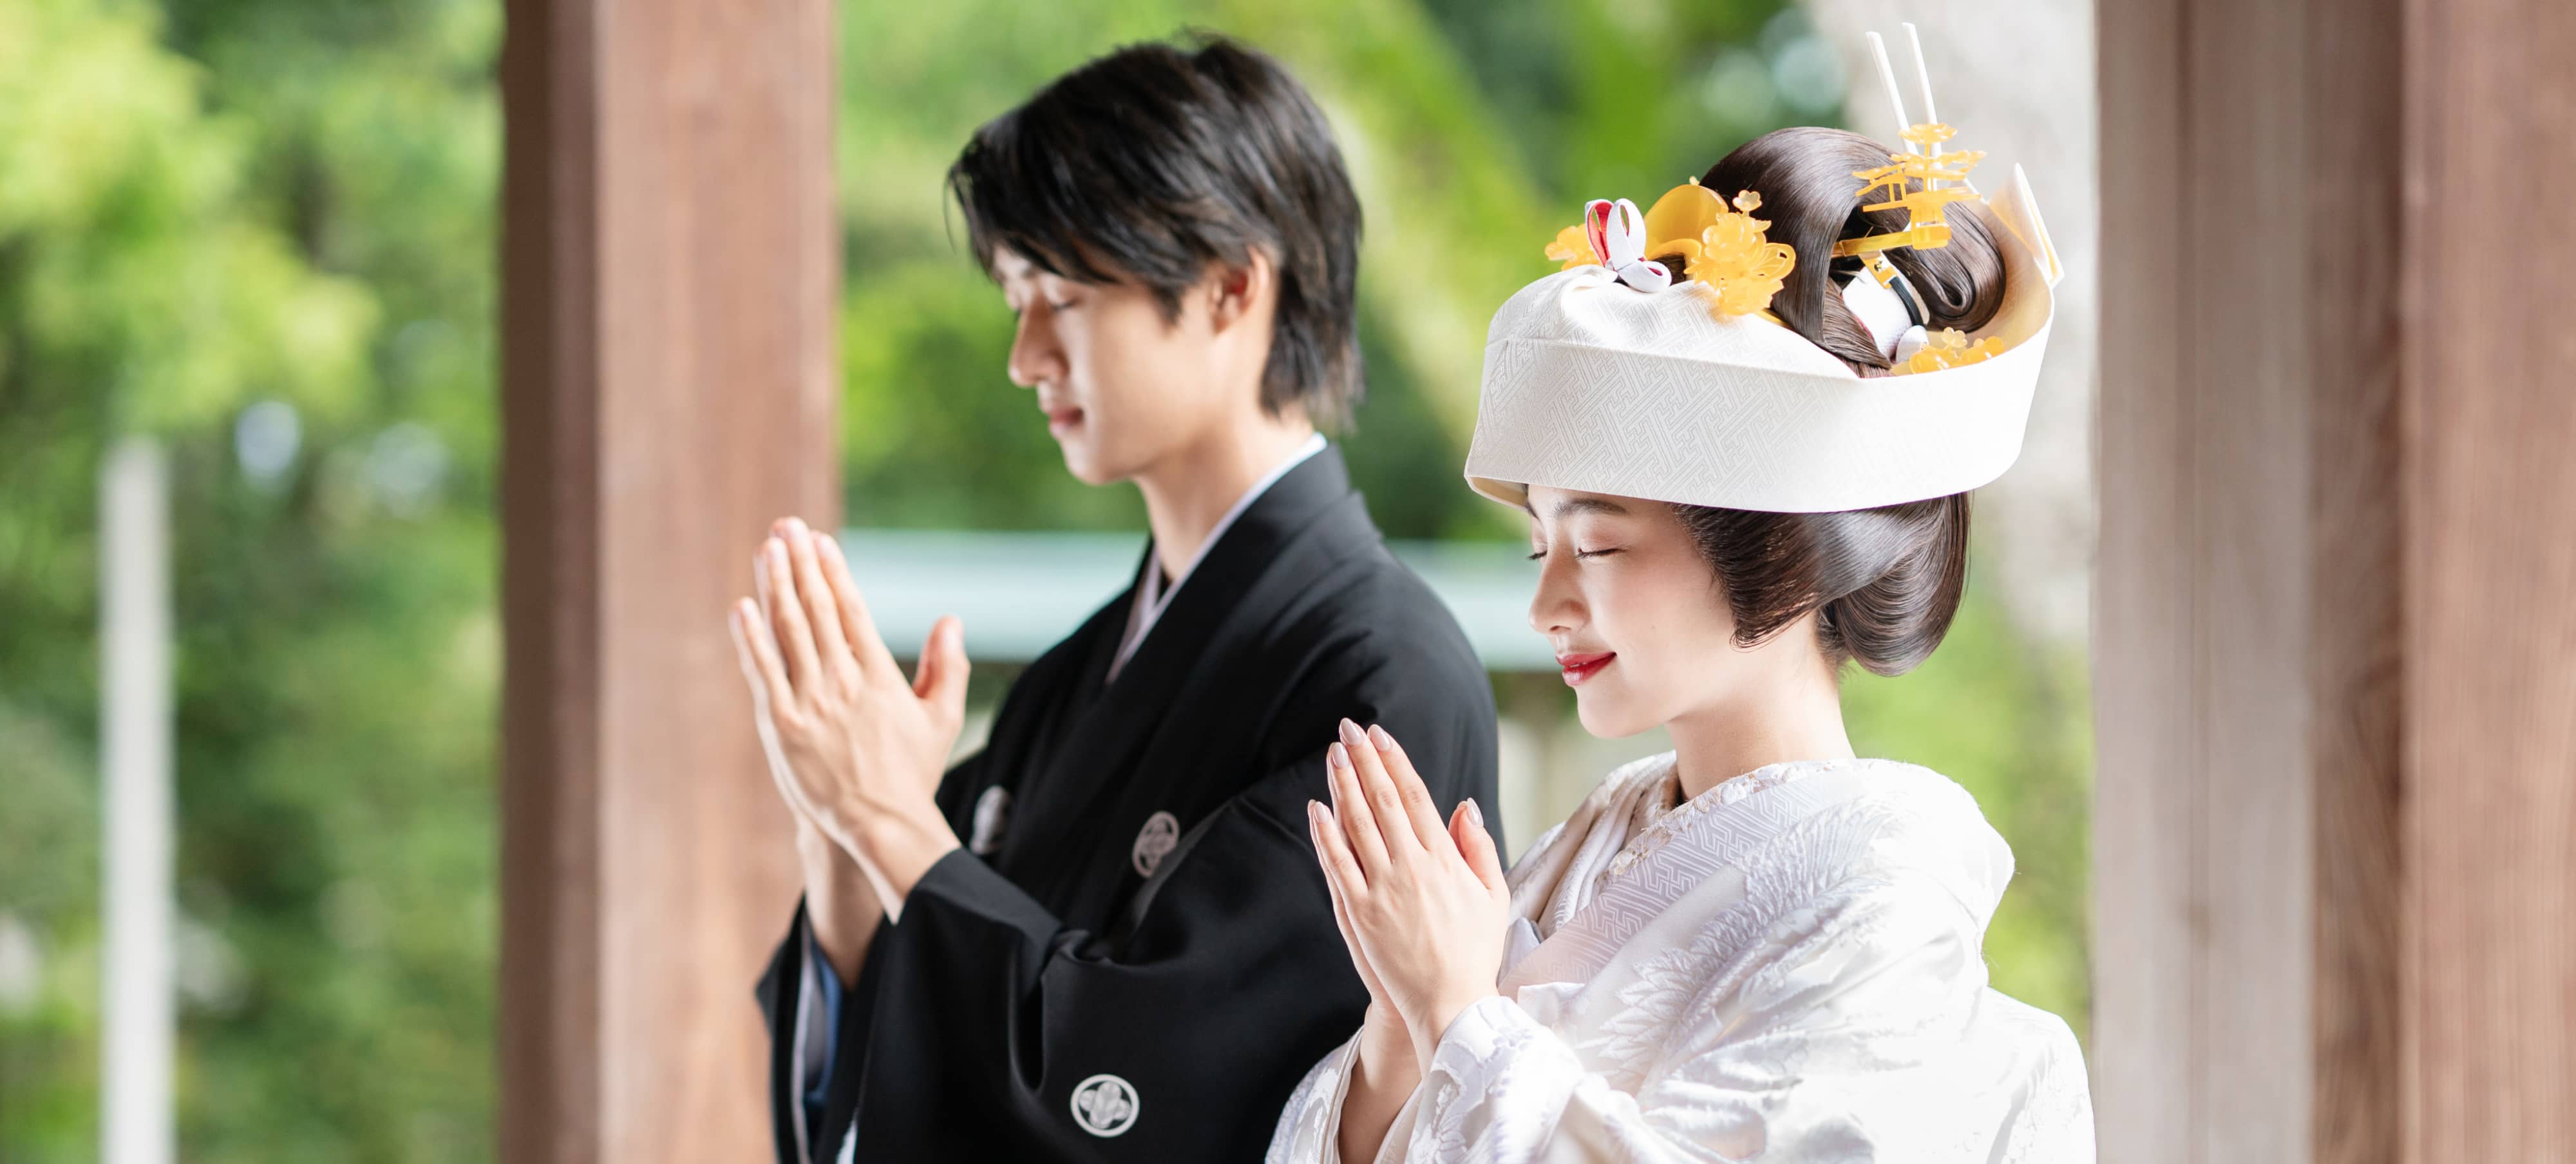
[(1058, 687), (1684, 849), (1088, 760)]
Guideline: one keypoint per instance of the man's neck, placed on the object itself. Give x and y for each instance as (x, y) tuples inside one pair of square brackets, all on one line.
[(1189, 491)]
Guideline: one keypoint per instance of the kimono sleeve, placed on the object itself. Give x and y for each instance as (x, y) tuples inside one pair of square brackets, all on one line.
[(801, 1130), (1858, 1026), (1178, 1043)]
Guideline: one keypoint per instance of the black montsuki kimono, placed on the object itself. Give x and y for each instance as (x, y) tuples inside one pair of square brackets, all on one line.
[(1051, 1001)]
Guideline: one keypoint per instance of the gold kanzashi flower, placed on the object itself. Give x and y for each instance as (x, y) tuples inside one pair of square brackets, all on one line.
[(1736, 259), (1949, 348), (1573, 247)]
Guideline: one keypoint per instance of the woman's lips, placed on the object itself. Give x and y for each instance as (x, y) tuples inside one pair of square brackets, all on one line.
[(1063, 420), (1579, 668)]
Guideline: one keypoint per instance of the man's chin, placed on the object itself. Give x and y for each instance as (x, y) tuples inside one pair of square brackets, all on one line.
[(1085, 464)]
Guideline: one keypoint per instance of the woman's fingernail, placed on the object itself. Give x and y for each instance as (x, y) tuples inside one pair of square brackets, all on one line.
[(1377, 735), (1476, 813), (1337, 756), (1351, 733)]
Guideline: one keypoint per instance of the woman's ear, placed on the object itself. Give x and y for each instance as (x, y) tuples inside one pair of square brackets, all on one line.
[(1234, 292)]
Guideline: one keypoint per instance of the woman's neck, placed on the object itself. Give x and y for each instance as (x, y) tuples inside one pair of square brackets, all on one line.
[(1187, 492), (1797, 717)]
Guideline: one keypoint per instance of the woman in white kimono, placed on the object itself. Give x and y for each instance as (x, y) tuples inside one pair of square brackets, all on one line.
[(1755, 946)]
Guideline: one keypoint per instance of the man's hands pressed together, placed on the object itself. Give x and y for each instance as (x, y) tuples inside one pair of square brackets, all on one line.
[(857, 750)]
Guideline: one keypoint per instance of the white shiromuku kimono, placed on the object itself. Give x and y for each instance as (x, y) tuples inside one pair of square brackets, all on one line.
[(1788, 967)]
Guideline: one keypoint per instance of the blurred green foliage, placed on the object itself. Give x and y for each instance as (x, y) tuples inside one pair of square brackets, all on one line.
[(262, 231)]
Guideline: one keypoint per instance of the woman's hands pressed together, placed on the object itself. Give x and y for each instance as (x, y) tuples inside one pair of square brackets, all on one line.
[(1422, 903), (856, 750)]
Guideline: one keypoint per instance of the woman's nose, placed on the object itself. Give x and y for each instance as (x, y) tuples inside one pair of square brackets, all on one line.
[(1555, 607)]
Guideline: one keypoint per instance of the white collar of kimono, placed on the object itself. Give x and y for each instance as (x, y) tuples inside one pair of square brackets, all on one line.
[(1152, 596), (1589, 886)]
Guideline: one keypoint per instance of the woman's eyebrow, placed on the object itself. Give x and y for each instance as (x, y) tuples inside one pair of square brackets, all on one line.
[(1573, 505)]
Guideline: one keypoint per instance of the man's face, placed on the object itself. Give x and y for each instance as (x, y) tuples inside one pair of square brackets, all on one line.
[(1121, 387)]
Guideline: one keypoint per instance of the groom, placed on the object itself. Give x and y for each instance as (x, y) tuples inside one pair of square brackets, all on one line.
[(1106, 936)]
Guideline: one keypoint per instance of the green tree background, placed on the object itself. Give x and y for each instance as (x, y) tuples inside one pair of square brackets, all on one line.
[(262, 231)]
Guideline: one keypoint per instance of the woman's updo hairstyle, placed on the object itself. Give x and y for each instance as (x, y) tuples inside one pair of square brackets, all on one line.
[(1884, 582)]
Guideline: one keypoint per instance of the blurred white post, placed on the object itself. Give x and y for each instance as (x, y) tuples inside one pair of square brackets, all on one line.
[(135, 727)]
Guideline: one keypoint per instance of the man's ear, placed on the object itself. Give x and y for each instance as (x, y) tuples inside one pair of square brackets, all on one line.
[(1234, 291)]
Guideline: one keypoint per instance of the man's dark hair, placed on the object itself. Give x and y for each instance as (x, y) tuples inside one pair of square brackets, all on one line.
[(1148, 164)]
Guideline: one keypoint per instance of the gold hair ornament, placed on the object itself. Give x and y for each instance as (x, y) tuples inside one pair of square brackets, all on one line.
[(1926, 229), (1727, 251), (1926, 163), (1948, 348)]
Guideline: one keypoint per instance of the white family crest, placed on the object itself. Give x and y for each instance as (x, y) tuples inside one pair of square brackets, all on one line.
[(1105, 1105), (1156, 840), (992, 814)]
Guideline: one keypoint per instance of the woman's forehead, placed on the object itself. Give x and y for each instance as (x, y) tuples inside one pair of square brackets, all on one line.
[(1549, 503)]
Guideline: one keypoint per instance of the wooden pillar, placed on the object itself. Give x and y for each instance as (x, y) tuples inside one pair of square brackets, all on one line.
[(2489, 425), (670, 275), (2335, 620)]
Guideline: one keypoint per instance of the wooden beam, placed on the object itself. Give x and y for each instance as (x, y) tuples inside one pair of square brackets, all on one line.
[(670, 284), (2334, 493)]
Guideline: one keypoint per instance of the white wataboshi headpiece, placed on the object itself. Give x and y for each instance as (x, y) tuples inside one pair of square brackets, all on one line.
[(1603, 379)]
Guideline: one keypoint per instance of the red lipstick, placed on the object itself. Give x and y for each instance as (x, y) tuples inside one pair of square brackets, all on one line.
[(1579, 668)]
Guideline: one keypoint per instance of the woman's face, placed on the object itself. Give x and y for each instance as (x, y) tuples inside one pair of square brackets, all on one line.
[(1639, 622)]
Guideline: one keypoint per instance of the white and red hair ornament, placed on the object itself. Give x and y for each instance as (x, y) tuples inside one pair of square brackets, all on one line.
[(1618, 234)]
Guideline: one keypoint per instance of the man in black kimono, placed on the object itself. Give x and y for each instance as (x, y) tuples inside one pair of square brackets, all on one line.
[(1106, 936)]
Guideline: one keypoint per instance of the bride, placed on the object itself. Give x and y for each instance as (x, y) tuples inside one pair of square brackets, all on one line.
[(1744, 446)]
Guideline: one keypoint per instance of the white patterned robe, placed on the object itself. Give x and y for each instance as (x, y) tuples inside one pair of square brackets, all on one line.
[(1785, 968)]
